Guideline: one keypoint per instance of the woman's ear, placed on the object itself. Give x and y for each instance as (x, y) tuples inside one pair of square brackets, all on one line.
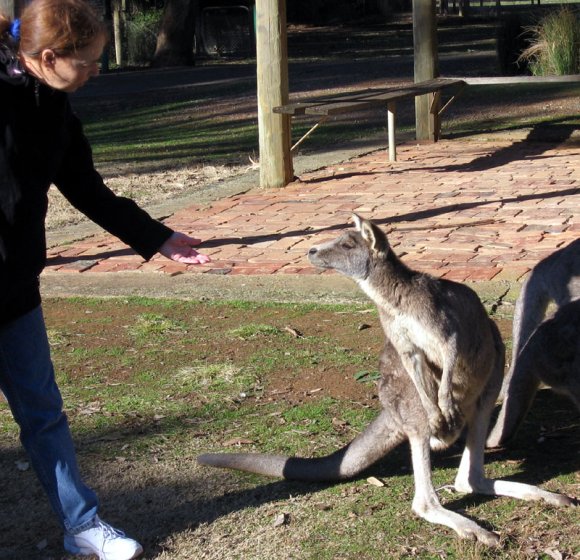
[(48, 58)]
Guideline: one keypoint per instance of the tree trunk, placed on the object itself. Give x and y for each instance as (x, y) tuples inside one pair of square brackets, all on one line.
[(117, 12), (107, 19), (175, 38)]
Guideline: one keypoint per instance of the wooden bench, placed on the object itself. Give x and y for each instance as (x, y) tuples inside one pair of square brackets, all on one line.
[(375, 98)]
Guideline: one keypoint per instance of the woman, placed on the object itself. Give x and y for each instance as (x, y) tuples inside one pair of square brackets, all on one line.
[(51, 51)]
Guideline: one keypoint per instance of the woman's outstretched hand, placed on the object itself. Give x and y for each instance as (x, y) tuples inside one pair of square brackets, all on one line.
[(179, 248)]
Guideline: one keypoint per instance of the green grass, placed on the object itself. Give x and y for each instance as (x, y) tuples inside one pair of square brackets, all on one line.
[(155, 325), (543, 126), (254, 331)]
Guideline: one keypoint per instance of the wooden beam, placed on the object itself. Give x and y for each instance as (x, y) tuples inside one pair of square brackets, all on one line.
[(272, 69), (426, 65)]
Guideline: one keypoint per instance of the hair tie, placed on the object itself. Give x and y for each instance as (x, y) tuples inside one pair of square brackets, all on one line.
[(15, 29)]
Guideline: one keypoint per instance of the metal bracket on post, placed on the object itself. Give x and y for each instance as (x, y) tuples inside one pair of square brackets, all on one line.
[(304, 136), (436, 113), (452, 98)]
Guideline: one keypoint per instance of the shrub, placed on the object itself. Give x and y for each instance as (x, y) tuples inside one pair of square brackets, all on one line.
[(555, 46), (141, 32)]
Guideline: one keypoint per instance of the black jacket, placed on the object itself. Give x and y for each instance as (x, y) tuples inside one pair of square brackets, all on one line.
[(42, 143)]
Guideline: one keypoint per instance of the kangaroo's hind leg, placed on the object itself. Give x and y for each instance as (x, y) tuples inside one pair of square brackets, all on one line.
[(426, 503)]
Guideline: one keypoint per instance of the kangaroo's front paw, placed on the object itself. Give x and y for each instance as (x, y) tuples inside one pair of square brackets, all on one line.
[(453, 418), (451, 413), (437, 423)]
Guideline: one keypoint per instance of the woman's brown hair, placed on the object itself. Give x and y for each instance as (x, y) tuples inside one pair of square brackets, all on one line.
[(64, 26)]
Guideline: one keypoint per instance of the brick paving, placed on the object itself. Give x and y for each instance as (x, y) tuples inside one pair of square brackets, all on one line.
[(463, 210)]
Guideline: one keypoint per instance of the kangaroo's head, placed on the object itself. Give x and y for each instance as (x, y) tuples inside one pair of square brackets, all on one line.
[(354, 252)]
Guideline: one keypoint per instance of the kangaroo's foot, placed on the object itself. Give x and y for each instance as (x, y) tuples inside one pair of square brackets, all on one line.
[(518, 490), (464, 527)]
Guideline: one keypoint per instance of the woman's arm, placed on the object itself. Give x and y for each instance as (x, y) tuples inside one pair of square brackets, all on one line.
[(84, 188)]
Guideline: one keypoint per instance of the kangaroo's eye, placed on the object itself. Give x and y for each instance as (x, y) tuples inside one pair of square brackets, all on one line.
[(347, 245)]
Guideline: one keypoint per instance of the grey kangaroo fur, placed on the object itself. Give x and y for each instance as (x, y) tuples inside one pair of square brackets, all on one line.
[(543, 352), (434, 328)]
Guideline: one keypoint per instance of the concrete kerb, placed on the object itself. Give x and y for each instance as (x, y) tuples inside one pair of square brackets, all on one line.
[(498, 297)]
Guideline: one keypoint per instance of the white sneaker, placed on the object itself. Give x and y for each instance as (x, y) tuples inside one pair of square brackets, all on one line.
[(103, 540)]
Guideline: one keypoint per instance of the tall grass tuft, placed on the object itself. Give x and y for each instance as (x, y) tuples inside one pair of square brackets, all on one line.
[(555, 45)]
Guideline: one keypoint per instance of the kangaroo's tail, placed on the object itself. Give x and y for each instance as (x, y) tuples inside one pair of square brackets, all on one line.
[(375, 442)]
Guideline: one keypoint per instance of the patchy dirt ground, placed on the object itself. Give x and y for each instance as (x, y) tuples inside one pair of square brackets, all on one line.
[(349, 333)]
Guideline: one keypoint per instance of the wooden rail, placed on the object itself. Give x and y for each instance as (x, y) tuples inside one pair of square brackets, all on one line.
[(513, 80)]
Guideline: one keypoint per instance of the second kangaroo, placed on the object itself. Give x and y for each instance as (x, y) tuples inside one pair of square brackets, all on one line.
[(544, 350), (441, 370)]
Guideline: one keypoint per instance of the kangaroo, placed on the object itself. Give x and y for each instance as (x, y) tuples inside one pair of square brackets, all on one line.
[(554, 279), (430, 325)]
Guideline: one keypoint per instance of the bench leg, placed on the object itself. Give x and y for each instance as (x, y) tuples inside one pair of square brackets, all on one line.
[(391, 114)]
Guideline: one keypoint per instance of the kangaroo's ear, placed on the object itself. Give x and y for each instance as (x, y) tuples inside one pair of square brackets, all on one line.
[(372, 234), (358, 221)]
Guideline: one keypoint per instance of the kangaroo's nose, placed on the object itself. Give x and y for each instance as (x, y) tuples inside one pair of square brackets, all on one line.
[(313, 251)]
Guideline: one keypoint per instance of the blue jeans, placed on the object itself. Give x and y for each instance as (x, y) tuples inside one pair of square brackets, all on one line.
[(27, 381)]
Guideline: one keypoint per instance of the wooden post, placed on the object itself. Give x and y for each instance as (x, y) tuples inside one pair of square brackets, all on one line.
[(272, 68), (391, 123), (119, 9), (117, 35), (426, 65)]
